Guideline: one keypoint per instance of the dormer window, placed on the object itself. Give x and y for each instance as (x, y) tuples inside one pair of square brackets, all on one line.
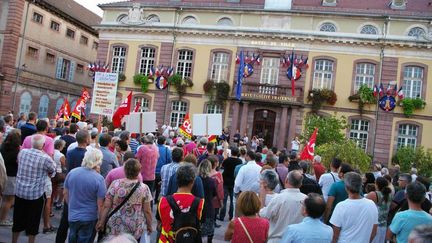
[(398, 4), (329, 2)]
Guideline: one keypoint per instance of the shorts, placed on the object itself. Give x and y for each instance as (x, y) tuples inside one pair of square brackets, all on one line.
[(27, 215), (48, 188), (10, 186)]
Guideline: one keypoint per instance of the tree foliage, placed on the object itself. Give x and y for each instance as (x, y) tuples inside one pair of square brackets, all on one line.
[(408, 157), (330, 129), (347, 151)]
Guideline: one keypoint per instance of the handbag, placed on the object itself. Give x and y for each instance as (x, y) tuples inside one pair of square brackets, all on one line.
[(102, 233), (246, 231)]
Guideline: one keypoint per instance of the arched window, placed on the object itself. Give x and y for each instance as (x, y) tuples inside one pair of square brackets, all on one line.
[(184, 63), (359, 132), (417, 32), (219, 71), (328, 27), (323, 74), (365, 74), (190, 20), (25, 102), (143, 103), (413, 81), (225, 21), (214, 109), (407, 135), (59, 103), (369, 30), (43, 107), (147, 60), (153, 18), (178, 113), (118, 59), (122, 17)]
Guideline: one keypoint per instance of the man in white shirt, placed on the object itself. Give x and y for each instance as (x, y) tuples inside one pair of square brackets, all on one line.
[(327, 179), (356, 218), (248, 178), (285, 208)]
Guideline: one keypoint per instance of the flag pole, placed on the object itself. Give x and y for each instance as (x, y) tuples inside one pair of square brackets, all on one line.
[(377, 103)]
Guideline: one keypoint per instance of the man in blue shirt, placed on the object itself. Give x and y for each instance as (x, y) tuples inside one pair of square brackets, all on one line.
[(29, 128), (75, 156), (84, 190), (404, 222), (311, 229), (164, 158), (109, 160)]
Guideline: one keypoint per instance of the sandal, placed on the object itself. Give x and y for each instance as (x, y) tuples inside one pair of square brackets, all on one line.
[(49, 230), (6, 223)]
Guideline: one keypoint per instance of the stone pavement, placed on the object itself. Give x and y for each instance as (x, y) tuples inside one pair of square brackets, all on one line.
[(6, 232)]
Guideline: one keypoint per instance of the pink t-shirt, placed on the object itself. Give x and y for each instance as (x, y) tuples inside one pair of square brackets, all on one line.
[(48, 146), (148, 155), (117, 173), (190, 147)]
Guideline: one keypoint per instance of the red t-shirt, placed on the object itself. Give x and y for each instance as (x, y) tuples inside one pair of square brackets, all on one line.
[(319, 170), (165, 214)]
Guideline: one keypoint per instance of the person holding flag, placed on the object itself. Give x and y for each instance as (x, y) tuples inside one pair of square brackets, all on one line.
[(186, 129), (309, 150)]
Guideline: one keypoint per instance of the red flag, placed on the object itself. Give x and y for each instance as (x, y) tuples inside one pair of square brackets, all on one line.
[(64, 111), (309, 149), (81, 105), (122, 110), (212, 138), (137, 107), (186, 129)]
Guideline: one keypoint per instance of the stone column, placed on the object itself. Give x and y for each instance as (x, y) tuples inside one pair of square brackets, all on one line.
[(244, 118), (234, 122), (292, 126), (282, 128)]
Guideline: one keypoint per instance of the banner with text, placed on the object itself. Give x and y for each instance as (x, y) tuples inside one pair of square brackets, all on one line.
[(104, 94)]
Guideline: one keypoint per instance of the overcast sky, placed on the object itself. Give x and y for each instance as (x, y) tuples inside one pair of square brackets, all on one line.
[(92, 4)]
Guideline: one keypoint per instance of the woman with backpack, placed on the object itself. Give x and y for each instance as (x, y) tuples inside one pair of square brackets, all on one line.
[(208, 222), (382, 198), (249, 227)]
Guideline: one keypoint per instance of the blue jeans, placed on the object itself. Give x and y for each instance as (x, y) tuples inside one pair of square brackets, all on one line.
[(82, 231), (228, 192)]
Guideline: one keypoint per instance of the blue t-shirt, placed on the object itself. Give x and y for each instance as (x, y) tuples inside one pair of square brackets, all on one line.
[(404, 222), (164, 158), (75, 157), (337, 190), (84, 187)]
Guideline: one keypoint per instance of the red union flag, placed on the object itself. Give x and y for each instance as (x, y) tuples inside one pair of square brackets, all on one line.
[(64, 111), (309, 149), (186, 129), (122, 110)]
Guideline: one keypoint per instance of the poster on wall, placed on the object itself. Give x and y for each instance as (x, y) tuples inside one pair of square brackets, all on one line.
[(104, 94)]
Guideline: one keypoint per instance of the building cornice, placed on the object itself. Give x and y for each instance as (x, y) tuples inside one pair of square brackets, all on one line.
[(259, 34)]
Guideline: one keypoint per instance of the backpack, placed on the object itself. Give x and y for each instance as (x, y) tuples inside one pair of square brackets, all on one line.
[(186, 225)]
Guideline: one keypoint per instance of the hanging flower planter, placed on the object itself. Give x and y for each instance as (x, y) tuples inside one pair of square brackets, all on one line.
[(121, 77), (409, 105), (364, 96), (319, 96), (141, 79), (180, 84)]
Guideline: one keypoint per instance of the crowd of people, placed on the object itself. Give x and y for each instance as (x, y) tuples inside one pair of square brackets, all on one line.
[(112, 185)]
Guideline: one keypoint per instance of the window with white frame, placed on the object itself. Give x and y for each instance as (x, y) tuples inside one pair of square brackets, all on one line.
[(369, 30), (323, 74), (417, 32), (65, 69), (43, 107), (214, 109), (407, 135), (143, 104), (219, 72), (365, 74), (178, 113), (413, 81), (359, 133), (328, 27), (270, 71), (147, 60), (25, 103), (118, 59), (184, 63)]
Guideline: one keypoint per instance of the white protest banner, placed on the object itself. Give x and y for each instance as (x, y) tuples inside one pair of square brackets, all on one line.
[(207, 124), (104, 93), (214, 122), (148, 122)]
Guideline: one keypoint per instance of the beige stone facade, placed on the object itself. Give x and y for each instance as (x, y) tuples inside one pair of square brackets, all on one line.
[(45, 47), (346, 44)]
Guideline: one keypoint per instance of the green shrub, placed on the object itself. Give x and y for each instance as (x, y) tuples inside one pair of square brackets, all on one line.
[(330, 129), (407, 157)]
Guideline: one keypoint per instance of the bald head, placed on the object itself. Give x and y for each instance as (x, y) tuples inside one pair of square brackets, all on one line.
[(294, 179), (38, 141)]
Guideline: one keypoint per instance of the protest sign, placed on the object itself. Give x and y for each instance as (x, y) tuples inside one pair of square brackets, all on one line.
[(104, 94)]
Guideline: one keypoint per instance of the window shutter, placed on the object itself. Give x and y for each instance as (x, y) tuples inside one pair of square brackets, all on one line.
[(59, 67), (71, 71)]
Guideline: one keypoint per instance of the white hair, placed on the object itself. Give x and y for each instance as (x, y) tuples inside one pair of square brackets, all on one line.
[(92, 158), (38, 141), (385, 171), (317, 158)]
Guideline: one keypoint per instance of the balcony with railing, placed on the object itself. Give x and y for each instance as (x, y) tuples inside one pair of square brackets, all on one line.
[(269, 93)]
